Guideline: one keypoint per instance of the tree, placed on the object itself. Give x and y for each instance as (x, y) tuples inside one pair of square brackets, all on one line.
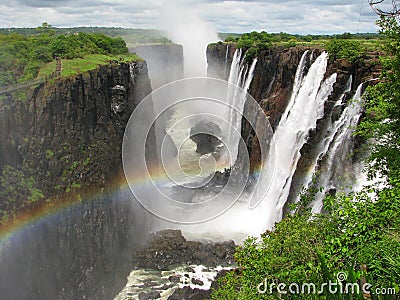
[(375, 5), (383, 106), (46, 28)]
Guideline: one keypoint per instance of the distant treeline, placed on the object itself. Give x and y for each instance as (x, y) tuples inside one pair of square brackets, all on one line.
[(131, 36), (282, 36)]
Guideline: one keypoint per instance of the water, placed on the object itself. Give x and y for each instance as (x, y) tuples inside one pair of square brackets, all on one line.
[(325, 142), (340, 147), (146, 281), (306, 106), (240, 75), (255, 212)]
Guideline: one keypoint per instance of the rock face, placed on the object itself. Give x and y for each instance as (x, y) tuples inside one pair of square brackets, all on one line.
[(206, 135), (69, 132), (272, 85), (168, 248), (165, 62)]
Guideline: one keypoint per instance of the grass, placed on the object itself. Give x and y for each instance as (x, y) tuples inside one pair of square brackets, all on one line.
[(72, 67)]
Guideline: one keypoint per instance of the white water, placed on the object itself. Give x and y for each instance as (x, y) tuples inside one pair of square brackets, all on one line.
[(341, 145), (240, 75), (305, 107), (226, 60), (137, 280), (323, 145)]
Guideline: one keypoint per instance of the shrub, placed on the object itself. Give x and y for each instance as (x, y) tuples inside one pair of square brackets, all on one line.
[(344, 48)]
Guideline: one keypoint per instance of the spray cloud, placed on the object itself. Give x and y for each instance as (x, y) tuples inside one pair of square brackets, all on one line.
[(184, 26)]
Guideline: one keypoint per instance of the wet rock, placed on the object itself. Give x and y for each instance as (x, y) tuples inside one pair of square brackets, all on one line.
[(207, 136), (187, 293), (149, 283), (197, 281), (167, 249), (174, 278), (68, 131), (149, 296)]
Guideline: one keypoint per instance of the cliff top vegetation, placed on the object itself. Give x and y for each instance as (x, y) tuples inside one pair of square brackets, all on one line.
[(24, 57), (348, 46)]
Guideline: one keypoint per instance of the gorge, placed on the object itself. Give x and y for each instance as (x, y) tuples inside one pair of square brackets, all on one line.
[(70, 132)]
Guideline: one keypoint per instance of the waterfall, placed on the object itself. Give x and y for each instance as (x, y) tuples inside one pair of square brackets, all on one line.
[(132, 71), (226, 61), (240, 75), (340, 147), (324, 143), (305, 107)]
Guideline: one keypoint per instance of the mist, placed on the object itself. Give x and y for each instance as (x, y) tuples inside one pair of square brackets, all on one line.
[(184, 26)]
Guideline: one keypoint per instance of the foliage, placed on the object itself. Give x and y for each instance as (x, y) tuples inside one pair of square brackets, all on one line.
[(129, 35), (383, 108), (252, 42), (359, 233), (345, 48), (22, 57), (71, 67), (289, 254), (19, 190)]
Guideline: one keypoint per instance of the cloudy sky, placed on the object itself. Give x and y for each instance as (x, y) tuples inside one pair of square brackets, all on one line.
[(303, 16)]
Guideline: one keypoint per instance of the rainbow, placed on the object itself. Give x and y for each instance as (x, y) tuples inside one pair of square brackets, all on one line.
[(71, 200)]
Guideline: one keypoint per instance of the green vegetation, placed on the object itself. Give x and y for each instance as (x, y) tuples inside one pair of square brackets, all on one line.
[(358, 234), (17, 183), (348, 46), (77, 66), (352, 50), (23, 56), (129, 35)]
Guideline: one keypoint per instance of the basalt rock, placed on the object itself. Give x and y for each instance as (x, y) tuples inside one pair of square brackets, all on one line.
[(168, 248), (207, 136), (69, 131)]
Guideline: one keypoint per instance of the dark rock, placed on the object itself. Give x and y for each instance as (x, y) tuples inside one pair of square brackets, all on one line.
[(149, 295), (167, 249), (197, 281), (187, 293), (70, 134), (206, 135), (174, 278), (190, 269), (149, 283)]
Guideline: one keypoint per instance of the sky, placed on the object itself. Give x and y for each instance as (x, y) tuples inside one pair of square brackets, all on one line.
[(296, 17)]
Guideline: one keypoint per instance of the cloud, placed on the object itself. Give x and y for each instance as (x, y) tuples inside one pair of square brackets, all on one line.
[(301, 17)]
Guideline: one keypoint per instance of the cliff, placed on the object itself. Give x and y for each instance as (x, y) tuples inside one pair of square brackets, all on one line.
[(67, 138), (272, 85)]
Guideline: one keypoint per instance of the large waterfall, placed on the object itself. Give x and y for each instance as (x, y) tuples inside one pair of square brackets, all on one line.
[(260, 208), (305, 107), (240, 75)]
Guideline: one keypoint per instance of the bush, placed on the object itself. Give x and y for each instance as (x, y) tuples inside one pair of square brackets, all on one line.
[(344, 48), (289, 254)]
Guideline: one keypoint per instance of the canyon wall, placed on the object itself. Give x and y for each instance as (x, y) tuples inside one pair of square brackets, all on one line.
[(67, 138), (272, 86)]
